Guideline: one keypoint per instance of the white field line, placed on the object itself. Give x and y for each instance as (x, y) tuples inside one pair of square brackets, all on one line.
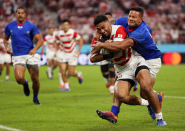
[(174, 97), (8, 128), (13, 82)]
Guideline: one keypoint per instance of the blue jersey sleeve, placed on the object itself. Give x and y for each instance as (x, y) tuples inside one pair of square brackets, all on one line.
[(122, 21), (35, 30), (7, 31), (149, 29), (138, 36)]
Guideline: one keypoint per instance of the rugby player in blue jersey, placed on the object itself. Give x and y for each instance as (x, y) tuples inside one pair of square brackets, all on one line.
[(22, 33), (141, 41)]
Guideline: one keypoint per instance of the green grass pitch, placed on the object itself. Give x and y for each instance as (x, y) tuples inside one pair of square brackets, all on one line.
[(76, 110)]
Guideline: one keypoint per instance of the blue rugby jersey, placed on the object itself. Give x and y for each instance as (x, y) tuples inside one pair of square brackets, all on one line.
[(21, 36), (145, 44)]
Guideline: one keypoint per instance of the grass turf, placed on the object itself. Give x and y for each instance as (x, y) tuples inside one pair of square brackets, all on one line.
[(76, 110)]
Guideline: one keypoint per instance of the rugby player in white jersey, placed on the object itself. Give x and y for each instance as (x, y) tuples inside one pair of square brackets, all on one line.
[(129, 66), (68, 58), (5, 58), (49, 42)]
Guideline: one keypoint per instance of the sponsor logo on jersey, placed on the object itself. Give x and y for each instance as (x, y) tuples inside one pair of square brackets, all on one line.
[(19, 27), (120, 35), (28, 32)]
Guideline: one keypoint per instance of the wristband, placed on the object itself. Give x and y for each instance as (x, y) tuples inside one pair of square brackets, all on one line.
[(108, 56)]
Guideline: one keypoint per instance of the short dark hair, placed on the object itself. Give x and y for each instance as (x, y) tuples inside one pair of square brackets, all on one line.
[(108, 14), (138, 8), (99, 19), (21, 8), (65, 20)]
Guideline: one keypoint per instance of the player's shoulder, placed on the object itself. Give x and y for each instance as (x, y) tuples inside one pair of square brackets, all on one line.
[(11, 23), (71, 30)]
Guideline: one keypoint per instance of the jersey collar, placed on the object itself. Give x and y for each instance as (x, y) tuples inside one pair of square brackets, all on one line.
[(21, 23)]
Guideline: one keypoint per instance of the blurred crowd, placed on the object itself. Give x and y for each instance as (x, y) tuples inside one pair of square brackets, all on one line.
[(165, 17)]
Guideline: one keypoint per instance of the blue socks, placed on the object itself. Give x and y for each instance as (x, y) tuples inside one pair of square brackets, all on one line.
[(160, 98), (115, 110), (35, 96), (135, 84), (26, 83)]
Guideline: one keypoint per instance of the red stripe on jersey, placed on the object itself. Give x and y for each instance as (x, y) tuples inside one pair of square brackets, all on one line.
[(65, 35), (70, 51), (123, 63), (93, 41), (66, 42), (69, 47), (45, 39), (75, 34), (57, 37)]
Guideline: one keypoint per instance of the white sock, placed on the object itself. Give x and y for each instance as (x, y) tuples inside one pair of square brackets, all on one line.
[(60, 79), (49, 72), (7, 77), (66, 85), (144, 102), (159, 116)]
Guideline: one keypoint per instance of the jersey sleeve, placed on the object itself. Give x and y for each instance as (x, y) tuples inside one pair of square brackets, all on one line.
[(149, 29), (138, 36), (7, 31), (35, 30), (93, 41), (76, 36), (122, 21), (45, 41), (57, 39), (121, 34)]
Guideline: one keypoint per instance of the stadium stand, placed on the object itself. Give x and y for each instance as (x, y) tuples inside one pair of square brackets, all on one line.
[(165, 17)]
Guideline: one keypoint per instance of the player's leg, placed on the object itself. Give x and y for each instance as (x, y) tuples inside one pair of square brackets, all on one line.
[(143, 77), (72, 63), (111, 77), (63, 67), (49, 70), (104, 66), (7, 71), (1, 63), (72, 72), (34, 73), (60, 77), (121, 95), (1, 68), (19, 70)]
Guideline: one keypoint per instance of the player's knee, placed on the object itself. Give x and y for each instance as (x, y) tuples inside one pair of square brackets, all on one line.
[(20, 80), (71, 73), (112, 69), (122, 97), (34, 78), (105, 74), (146, 87)]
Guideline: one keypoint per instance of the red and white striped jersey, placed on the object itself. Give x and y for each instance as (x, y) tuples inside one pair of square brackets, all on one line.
[(49, 42), (68, 40)]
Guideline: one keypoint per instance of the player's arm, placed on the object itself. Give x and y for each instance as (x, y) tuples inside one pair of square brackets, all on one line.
[(39, 39), (80, 43), (57, 43), (43, 47), (6, 38)]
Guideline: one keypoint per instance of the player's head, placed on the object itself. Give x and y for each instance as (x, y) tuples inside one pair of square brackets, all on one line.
[(65, 24), (109, 16), (103, 26), (21, 14), (51, 30), (135, 17)]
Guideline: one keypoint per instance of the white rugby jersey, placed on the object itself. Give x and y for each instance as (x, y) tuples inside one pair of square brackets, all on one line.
[(119, 34), (49, 42), (67, 40)]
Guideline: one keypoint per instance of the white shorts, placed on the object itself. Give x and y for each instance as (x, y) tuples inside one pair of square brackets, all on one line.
[(128, 70), (154, 65), (5, 58), (50, 55), (28, 61), (70, 58)]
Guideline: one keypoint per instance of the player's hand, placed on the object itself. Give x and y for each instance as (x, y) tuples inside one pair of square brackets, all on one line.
[(97, 36), (96, 47), (9, 50), (77, 54), (55, 54), (32, 52)]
